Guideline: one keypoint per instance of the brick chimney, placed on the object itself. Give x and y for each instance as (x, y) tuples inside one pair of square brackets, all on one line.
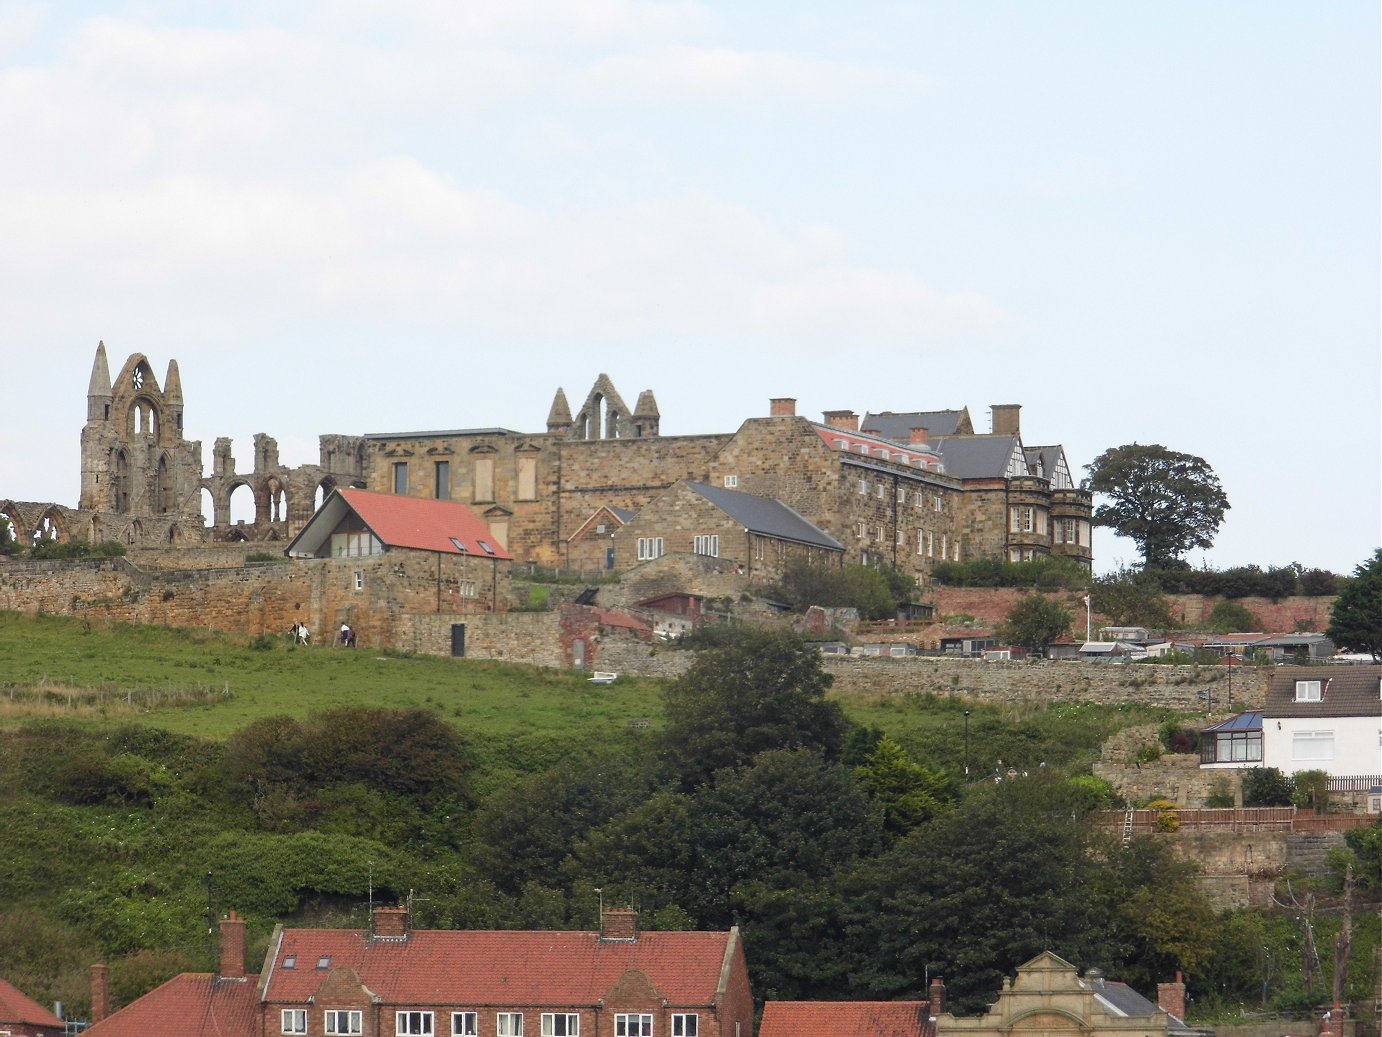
[(390, 923), (782, 407), (619, 923), (100, 991), (233, 947), (1332, 1025), (1171, 996), (842, 419), (937, 995), (918, 436), (1007, 419)]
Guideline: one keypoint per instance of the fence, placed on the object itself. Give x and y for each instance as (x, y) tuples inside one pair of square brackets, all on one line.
[(1237, 819)]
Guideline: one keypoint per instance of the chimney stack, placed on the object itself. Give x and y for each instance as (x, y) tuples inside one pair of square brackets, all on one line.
[(842, 419), (619, 923), (918, 436), (1332, 1025), (232, 947), (1007, 419), (1171, 996), (937, 995), (100, 991), (782, 407), (390, 923)]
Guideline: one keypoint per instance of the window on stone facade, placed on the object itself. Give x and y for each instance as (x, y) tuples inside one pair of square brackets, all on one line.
[(901, 537), (508, 1024), (918, 499), (878, 533), (527, 477), (930, 544), (686, 1025), (1308, 691), (413, 1024), (633, 1025), (1023, 518), (400, 478), (921, 541), (937, 502), (709, 544), (649, 548), (861, 530), (484, 479), (466, 588), (956, 554), (882, 491), (864, 487), (343, 1023), (1312, 745), (901, 495), (359, 580), (945, 545), (560, 1024), (294, 1020), (1067, 531), (731, 481), (465, 1024), (442, 480), (759, 550)]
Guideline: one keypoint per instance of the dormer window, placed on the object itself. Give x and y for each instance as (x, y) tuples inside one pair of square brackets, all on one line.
[(1308, 691)]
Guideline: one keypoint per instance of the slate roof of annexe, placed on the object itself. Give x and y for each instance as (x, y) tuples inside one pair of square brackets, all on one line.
[(898, 427), (1345, 691), (977, 457), (18, 1007), (195, 1004), (433, 966), (766, 516), (846, 1019), (397, 521)]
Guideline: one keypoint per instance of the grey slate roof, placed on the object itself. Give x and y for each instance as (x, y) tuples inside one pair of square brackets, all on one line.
[(766, 516), (898, 427), (975, 457), (1345, 691), (1125, 1001)]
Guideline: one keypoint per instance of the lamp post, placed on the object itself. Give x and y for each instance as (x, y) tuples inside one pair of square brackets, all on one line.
[(1088, 620), (966, 743)]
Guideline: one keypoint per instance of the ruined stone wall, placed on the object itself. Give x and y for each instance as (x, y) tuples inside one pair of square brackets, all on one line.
[(529, 637)]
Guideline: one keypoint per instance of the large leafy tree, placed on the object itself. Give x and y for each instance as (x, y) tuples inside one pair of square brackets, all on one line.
[(763, 690), (1034, 622), (1165, 501), (1356, 622)]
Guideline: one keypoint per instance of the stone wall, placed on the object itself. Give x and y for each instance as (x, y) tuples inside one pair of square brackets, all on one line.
[(1177, 687)]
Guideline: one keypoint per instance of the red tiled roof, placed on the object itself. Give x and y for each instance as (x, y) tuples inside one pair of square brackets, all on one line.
[(622, 619), (846, 1019), (18, 1007), (195, 1004), (853, 440), (424, 524), (435, 966)]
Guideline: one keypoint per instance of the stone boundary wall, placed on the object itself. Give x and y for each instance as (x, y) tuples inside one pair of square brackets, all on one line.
[(1177, 687)]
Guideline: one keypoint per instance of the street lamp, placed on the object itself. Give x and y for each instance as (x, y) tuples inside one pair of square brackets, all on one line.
[(966, 743), (1088, 620)]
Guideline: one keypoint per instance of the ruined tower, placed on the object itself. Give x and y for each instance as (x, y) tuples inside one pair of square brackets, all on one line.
[(134, 459)]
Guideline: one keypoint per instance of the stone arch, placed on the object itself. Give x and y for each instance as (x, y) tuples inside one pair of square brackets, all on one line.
[(275, 500), (50, 526), (9, 516), (235, 501), (142, 418), (326, 486), (134, 532)]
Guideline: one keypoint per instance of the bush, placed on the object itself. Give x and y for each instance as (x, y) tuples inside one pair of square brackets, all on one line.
[(1232, 617), (1179, 739), (1311, 790), (1220, 795), (875, 593), (1266, 787), (1048, 572)]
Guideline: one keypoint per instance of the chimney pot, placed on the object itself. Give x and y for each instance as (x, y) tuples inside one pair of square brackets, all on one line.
[(842, 419), (937, 996), (918, 436), (782, 407), (1170, 997)]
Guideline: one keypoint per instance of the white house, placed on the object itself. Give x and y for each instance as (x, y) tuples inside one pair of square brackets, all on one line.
[(1324, 718)]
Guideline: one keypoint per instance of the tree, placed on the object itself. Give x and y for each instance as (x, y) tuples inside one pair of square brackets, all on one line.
[(764, 690), (1165, 501), (1356, 621), (1233, 617), (1132, 598), (1034, 622)]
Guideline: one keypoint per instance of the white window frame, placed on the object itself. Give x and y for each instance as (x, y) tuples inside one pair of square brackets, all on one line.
[(414, 1024), (901, 536), (294, 1020), (1309, 691), (882, 491), (465, 1024), (570, 1024), (650, 548), (352, 1019), (508, 1024), (878, 533), (680, 1027), (359, 579), (863, 487), (937, 503), (921, 541), (861, 530), (1312, 745), (902, 495), (731, 481), (633, 1024), (706, 544)]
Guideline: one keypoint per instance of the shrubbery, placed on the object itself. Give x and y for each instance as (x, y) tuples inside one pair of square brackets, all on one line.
[(1048, 572)]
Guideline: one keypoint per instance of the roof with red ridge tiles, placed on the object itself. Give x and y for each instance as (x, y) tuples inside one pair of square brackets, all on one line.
[(846, 1019), (18, 1007), (433, 966), (195, 1004)]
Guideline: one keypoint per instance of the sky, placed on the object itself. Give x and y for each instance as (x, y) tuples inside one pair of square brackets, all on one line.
[(1152, 223)]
